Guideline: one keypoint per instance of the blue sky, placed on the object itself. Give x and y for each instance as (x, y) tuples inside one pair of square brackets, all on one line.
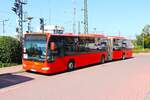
[(108, 16)]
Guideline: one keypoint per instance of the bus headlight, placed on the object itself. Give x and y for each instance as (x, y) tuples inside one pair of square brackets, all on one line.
[(24, 65), (45, 68)]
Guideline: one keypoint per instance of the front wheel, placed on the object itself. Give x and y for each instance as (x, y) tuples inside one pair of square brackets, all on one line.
[(71, 65)]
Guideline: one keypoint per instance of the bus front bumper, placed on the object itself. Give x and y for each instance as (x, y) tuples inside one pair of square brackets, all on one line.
[(41, 68)]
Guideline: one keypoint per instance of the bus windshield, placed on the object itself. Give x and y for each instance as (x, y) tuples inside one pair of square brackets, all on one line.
[(35, 47)]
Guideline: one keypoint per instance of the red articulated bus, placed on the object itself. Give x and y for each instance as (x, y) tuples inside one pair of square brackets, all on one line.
[(119, 48), (53, 53)]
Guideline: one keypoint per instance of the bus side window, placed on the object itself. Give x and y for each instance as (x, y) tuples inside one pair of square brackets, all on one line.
[(70, 45), (124, 45), (117, 44), (129, 44), (58, 51)]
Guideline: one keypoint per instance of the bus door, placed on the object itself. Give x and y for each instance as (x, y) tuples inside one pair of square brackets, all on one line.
[(56, 56), (110, 49)]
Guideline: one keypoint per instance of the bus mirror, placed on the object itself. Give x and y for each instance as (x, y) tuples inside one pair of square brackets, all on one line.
[(53, 46)]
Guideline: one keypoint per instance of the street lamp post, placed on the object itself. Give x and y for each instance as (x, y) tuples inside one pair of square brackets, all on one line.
[(42, 24), (74, 16), (29, 23), (79, 32), (95, 29), (18, 9), (3, 21), (85, 16), (143, 42)]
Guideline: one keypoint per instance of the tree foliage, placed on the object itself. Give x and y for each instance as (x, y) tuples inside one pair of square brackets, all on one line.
[(146, 34), (10, 50)]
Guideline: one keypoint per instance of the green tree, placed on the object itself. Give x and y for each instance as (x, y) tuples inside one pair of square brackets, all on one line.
[(10, 50), (146, 33)]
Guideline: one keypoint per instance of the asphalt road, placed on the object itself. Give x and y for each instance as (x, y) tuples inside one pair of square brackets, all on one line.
[(119, 80)]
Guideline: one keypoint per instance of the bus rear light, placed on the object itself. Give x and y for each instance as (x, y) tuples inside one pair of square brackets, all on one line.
[(45, 68)]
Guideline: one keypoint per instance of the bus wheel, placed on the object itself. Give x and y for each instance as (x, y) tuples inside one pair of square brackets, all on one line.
[(71, 65), (123, 57), (102, 59)]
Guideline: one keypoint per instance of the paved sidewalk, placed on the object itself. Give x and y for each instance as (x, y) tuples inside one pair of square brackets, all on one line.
[(12, 69), (118, 80)]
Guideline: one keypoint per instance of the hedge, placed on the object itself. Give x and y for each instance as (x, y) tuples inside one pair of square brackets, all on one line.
[(10, 50), (7, 64)]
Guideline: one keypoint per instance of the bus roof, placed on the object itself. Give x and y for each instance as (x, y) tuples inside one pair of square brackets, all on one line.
[(117, 37), (70, 34), (80, 35)]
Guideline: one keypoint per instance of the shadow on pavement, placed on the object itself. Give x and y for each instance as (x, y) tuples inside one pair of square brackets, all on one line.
[(10, 79)]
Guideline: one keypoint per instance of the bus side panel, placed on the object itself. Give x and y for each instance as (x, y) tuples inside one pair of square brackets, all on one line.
[(129, 53), (117, 54), (59, 65), (81, 60), (88, 59)]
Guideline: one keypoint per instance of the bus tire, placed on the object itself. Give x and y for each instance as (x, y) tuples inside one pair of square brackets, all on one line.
[(71, 65), (124, 56), (102, 59)]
